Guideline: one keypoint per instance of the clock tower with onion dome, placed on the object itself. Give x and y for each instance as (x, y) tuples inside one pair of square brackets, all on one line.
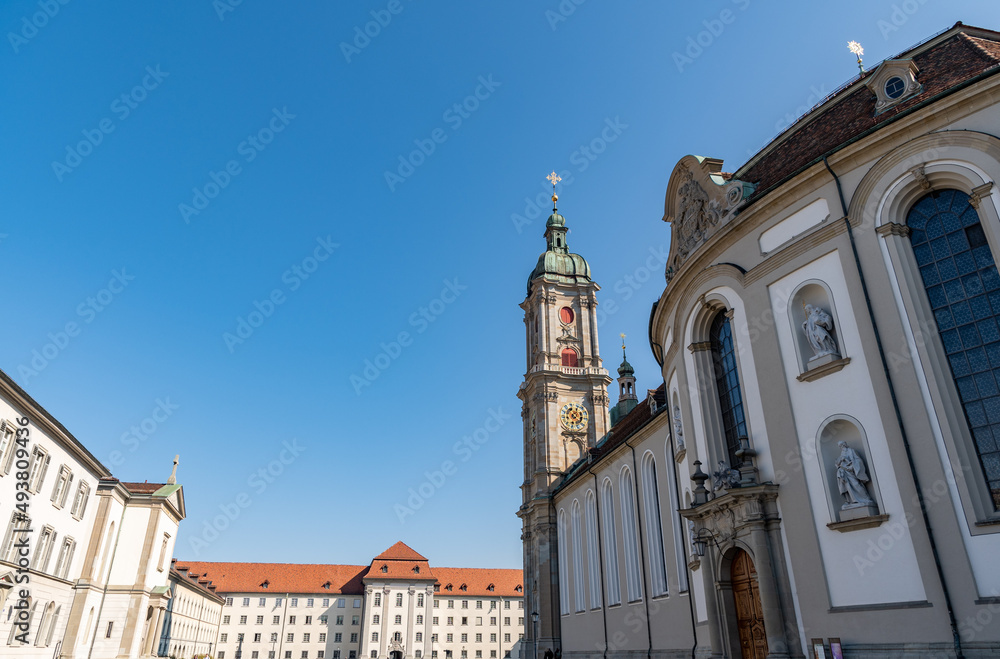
[(564, 407)]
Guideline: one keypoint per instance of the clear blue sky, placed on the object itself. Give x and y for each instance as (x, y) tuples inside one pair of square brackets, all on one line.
[(289, 134)]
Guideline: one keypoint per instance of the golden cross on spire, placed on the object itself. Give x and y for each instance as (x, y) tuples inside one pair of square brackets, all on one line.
[(856, 48), (623, 340), (555, 178)]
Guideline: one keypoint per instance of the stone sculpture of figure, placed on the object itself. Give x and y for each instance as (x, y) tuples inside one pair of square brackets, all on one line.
[(678, 427), (817, 327), (851, 478), (725, 477)]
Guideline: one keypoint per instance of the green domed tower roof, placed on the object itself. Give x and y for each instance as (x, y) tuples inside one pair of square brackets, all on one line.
[(625, 368), (557, 263)]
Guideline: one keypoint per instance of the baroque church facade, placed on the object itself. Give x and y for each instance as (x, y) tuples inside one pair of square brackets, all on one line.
[(817, 472)]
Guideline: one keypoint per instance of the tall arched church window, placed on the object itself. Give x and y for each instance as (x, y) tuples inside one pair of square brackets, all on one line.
[(610, 544), (963, 288), (570, 358), (561, 541), (727, 382), (633, 578), (593, 552), (579, 594), (654, 532)]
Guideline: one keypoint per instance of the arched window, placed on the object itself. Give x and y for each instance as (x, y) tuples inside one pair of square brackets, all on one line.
[(963, 288), (593, 551), (654, 533), (570, 358), (633, 580), (579, 595), (610, 544), (561, 540), (727, 382)]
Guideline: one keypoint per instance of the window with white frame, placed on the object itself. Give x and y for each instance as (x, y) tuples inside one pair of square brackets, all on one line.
[(43, 550), (18, 523), (610, 544), (398, 620), (61, 488), (654, 532), (65, 558), (40, 460), (7, 435)]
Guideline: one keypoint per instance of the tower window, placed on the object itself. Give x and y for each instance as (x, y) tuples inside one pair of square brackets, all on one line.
[(566, 315), (570, 358)]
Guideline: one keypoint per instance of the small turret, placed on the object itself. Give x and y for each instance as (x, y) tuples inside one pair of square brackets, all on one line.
[(627, 399)]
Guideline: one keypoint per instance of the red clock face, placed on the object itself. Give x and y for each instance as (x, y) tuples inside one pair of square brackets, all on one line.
[(566, 315)]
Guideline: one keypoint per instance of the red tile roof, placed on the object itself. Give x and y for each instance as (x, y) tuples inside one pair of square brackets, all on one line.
[(142, 488), (477, 582), (197, 581), (399, 552), (280, 577), (849, 113)]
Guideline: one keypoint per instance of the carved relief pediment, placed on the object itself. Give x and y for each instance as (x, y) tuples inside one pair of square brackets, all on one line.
[(699, 201)]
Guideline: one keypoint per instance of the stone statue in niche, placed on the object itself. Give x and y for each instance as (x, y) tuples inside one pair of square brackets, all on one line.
[(817, 327), (678, 427), (851, 478)]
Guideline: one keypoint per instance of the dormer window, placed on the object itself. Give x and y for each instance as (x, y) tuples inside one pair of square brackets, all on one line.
[(416, 569), (265, 584), (385, 568), (491, 588), (327, 585), (893, 82)]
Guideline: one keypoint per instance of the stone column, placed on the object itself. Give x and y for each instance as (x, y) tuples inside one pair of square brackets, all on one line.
[(410, 612), (774, 625), (712, 603)]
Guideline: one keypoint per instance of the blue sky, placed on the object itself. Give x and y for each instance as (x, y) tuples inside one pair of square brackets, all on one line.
[(293, 252)]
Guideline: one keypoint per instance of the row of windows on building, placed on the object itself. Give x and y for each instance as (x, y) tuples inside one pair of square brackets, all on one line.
[(38, 466), (377, 619), (321, 654), (43, 619), (449, 638), (571, 531), (41, 557), (293, 602)]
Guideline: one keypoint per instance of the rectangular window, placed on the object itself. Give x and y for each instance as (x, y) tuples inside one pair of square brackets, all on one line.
[(451, 604), (449, 638), (399, 599), (341, 602), (239, 638), (246, 601), (479, 638), (465, 604), (340, 620), (419, 636), (479, 654), (40, 561), (451, 620), (520, 622), (465, 620), (420, 599), (80, 501), (506, 620), (278, 601), (354, 637), (40, 460), (305, 638), (291, 620), (294, 601), (222, 654), (434, 620), (276, 620), (229, 601), (322, 637), (260, 620), (61, 488), (506, 604), (243, 620), (357, 603), (338, 637), (256, 638), (336, 654), (437, 604), (274, 637), (223, 638), (323, 619), (320, 654), (254, 655), (506, 638), (420, 620), (309, 620), (493, 638), (479, 620), (65, 558), (326, 602), (479, 604), (290, 637), (305, 654), (465, 638), (355, 620), (378, 599), (493, 654), (434, 638), (493, 620), (262, 601), (225, 620), (309, 602), (7, 435)]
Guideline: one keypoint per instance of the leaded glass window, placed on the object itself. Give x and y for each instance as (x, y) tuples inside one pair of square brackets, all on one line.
[(963, 288), (727, 381)]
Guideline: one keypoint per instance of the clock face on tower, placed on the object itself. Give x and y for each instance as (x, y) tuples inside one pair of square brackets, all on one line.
[(573, 416)]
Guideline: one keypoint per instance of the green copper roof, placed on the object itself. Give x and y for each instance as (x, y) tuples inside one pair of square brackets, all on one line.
[(625, 369), (557, 264)]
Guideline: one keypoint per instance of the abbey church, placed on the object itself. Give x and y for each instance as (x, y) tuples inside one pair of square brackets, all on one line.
[(815, 472)]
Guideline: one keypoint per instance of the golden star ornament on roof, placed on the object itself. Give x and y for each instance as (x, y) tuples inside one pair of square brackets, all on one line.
[(855, 48)]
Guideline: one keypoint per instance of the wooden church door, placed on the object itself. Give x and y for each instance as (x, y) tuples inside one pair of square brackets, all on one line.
[(749, 618)]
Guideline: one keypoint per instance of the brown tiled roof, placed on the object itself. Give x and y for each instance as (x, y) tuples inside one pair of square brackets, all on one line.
[(280, 577), (197, 581), (477, 582), (142, 488), (849, 113), (399, 552)]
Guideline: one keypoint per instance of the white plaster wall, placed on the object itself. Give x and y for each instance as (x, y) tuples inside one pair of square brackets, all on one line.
[(856, 573)]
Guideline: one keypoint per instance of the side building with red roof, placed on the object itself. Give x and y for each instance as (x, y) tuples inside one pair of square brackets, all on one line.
[(396, 607)]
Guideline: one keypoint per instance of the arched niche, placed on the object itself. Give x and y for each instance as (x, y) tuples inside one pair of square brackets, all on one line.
[(842, 428), (815, 326)]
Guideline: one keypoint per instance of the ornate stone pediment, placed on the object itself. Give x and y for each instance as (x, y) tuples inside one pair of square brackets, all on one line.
[(699, 201)]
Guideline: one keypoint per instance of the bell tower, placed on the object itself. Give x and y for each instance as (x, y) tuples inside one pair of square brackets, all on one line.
[(564, 409)]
